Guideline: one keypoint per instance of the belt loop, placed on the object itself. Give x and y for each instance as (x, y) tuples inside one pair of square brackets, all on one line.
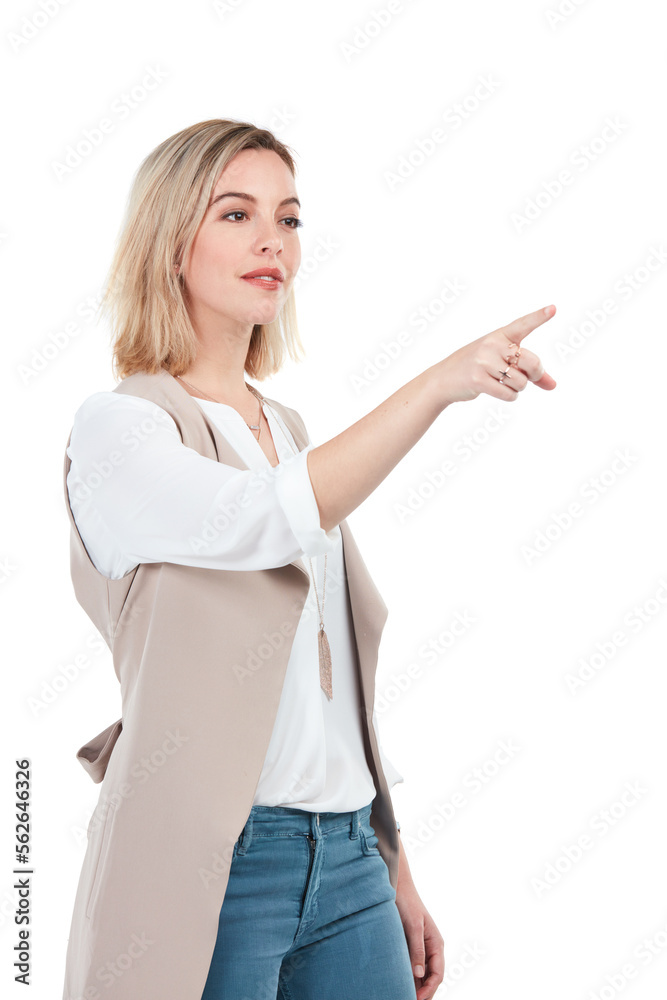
[(354, 824), (245, 836)]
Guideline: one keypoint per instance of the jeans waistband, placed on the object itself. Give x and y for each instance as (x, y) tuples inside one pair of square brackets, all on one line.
[(285, 820)]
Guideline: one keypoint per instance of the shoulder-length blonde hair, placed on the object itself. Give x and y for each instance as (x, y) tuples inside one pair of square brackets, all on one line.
[(143, 295)]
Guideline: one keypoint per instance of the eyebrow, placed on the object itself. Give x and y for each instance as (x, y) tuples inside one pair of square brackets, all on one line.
[(251, 198)]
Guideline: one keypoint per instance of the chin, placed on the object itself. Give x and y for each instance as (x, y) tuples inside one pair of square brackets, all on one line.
[(262, 317)]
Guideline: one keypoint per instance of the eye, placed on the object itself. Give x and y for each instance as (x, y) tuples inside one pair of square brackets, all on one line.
[(294, 223)]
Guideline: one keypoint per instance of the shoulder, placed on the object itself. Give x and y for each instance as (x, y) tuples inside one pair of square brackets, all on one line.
[(117, 408)]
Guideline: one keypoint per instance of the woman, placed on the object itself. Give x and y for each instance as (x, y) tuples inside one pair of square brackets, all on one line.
[(244, 845)]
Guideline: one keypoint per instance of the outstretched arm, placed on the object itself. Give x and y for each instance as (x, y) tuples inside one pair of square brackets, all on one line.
[(346, 469)]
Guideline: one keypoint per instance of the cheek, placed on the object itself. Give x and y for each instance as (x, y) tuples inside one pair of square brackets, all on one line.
[(213, 259)]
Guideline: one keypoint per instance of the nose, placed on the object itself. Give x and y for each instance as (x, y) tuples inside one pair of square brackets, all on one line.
[(269, 239)]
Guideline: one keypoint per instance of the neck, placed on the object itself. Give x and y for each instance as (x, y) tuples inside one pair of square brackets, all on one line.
[(220, 372), (222, 348)]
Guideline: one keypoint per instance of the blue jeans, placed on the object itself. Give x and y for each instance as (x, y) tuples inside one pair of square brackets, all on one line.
[(309, 913)]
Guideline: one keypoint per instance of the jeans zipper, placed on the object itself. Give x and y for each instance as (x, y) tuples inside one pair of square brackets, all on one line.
[(311, 844), (311, 848)]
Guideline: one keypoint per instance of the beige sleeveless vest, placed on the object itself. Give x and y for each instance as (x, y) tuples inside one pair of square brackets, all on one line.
[(200, 655)]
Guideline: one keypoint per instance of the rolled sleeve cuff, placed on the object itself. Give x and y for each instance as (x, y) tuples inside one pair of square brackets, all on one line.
[(297, 499), (393, 776)]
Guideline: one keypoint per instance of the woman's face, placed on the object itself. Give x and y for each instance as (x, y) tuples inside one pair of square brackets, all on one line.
[(253, 229)]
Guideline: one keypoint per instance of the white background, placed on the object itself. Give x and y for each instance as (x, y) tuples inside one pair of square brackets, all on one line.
[(354, 101)]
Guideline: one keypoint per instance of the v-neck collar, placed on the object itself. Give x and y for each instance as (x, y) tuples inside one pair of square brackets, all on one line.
[(225, 451), (231, 414)]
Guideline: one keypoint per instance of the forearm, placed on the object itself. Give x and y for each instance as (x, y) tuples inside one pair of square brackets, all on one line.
[(346, 469), (405, 881)]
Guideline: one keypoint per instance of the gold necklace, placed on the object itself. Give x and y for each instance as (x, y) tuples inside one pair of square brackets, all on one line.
[(324, 651), (253, 427)]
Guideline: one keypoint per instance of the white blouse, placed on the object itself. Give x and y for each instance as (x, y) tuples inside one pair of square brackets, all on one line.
[(139, 495)]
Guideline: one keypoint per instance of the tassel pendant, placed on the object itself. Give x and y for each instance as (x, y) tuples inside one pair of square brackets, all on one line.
[(325, 663)]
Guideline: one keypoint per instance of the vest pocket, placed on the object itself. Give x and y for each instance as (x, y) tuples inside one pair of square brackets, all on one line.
[(95, 754), (102, 852)]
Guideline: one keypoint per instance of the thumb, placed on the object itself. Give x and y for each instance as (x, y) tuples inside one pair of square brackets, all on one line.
[(546, 382), (417, 953)]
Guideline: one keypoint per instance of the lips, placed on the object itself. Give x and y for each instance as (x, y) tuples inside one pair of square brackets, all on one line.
[(266, 272)]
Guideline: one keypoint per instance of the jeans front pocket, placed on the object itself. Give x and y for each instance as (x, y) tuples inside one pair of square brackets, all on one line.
[(368, 840), (235, 850)]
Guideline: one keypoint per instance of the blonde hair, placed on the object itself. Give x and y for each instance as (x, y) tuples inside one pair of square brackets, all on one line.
[(144, 296)]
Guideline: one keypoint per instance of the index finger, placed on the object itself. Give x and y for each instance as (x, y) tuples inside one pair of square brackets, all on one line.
[(521, 327)]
